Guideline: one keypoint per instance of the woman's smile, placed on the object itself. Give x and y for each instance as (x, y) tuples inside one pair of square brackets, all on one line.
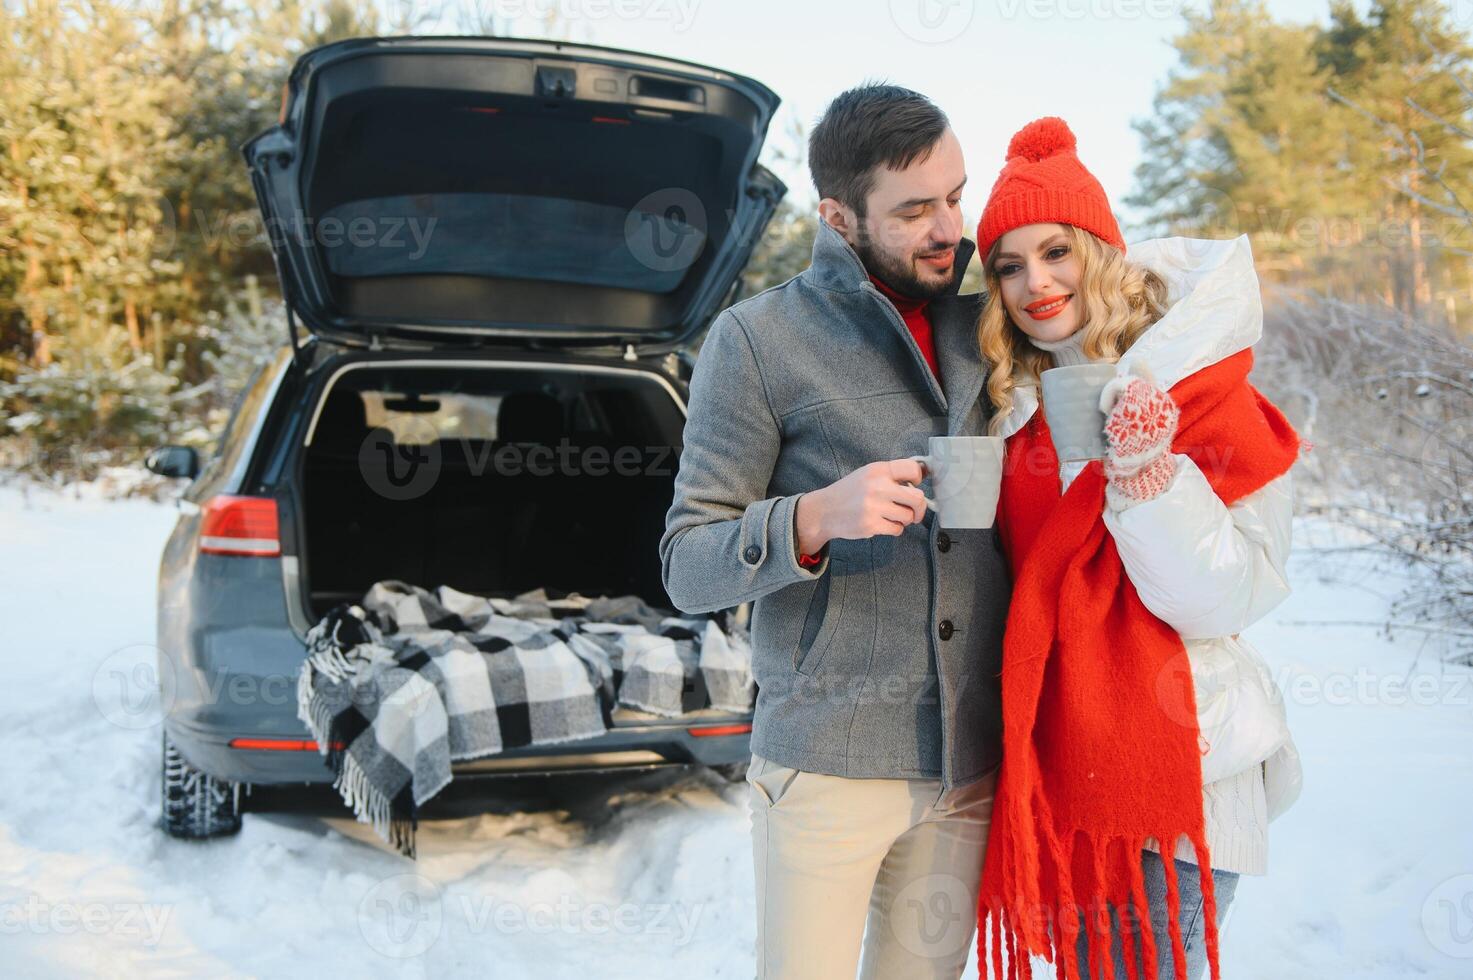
[(1048, 307)]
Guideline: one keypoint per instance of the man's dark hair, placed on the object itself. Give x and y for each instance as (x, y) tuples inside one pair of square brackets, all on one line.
[(867, 127)]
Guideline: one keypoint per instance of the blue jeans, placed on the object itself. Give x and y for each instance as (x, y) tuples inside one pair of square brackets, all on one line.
[(1193, 923)]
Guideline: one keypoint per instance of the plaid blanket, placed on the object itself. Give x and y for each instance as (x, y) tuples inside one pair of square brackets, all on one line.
[(397, 687)]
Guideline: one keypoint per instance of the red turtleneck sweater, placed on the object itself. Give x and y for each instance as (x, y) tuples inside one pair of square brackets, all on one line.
[(917, 316)]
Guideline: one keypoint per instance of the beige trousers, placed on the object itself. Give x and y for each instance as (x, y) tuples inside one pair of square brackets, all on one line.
[(887, 866)]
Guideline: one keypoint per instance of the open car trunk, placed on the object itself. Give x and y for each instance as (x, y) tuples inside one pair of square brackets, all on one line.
[(492, 479), (470, 191)]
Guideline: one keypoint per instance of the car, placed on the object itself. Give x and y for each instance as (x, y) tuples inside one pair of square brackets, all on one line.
[(488, 248)]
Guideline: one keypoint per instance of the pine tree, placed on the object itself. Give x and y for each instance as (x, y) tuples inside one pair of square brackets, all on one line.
[(1316, 141)]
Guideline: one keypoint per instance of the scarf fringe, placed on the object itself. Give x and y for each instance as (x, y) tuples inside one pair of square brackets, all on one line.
[(1173, 903), (1209, 903), (1145, 945), (1006, 945)]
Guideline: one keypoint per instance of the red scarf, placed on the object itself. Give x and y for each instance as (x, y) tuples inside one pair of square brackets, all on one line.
[(1094, 760)]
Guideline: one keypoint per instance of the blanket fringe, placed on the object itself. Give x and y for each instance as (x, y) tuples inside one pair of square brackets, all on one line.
[(371, 806)]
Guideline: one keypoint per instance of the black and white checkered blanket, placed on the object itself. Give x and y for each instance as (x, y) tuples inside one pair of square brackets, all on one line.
[(397, 687)]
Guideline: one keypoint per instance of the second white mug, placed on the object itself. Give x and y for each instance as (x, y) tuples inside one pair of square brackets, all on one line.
[(967, 476)]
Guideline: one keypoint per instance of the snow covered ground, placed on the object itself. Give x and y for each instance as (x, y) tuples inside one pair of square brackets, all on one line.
[(1372, 870)]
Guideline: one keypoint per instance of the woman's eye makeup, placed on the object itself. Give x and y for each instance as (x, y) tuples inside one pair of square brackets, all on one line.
[(1054, 254)]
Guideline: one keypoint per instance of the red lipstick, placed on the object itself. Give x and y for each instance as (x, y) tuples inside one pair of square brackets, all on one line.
[(1048, 307)]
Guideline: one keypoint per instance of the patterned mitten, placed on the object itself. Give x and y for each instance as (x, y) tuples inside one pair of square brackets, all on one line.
[(1140, 423)]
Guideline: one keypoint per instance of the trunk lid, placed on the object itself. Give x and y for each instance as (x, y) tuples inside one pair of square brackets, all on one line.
[(426, 191)]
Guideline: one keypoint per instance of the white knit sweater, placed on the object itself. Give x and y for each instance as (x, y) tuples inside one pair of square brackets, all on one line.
[(1235, 808)]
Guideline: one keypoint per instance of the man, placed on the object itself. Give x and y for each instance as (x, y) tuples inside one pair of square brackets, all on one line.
[(876, 635)]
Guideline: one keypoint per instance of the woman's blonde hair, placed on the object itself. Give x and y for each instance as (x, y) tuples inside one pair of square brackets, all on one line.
[(1121, 299)]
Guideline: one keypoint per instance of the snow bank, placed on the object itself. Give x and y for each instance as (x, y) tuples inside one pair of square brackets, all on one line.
[(1372, 870)]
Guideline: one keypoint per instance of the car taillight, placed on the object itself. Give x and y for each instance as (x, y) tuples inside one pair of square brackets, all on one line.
[(279, 744), (239, 526), (709, 731)]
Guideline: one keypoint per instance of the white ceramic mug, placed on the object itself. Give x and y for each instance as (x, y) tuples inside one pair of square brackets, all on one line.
[(966, 478), (1071, 406)]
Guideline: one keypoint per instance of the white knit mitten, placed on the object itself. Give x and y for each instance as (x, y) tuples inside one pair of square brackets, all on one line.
[(1140, 422)]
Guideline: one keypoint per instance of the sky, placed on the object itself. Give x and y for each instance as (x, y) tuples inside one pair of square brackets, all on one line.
[(992, 65)]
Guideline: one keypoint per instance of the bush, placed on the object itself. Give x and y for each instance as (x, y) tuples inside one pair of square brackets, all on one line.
[(96, 397), (1387, 403), (100, 404)]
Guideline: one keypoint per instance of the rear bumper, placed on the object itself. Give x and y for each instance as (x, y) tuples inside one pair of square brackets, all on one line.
[(637, 741)]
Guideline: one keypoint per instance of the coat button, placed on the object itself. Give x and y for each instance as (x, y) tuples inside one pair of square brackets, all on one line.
[(752, 554), (943, 542), (945, 629)]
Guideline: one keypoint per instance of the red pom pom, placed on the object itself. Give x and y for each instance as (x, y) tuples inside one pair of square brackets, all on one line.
[(1042, 138)]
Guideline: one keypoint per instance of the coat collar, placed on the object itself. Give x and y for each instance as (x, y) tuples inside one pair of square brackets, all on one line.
[(835, 266)]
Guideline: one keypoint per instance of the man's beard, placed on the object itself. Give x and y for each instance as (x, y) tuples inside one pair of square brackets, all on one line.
[(898, 272)]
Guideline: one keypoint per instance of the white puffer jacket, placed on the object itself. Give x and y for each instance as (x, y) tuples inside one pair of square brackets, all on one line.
[(1206, 569)]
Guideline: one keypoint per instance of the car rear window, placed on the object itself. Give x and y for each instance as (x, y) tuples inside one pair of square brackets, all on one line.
[(417, 418)]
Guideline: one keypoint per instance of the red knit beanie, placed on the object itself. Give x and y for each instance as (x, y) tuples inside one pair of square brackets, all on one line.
[(1043, 180)]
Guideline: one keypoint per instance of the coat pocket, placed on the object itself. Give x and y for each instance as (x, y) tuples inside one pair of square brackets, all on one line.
[(825, 610)]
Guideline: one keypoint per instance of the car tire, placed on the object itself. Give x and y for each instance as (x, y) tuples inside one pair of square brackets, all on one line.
[(733, 772), (195, 804)]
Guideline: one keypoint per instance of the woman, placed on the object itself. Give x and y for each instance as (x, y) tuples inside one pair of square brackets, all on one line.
[(1133, 712)]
